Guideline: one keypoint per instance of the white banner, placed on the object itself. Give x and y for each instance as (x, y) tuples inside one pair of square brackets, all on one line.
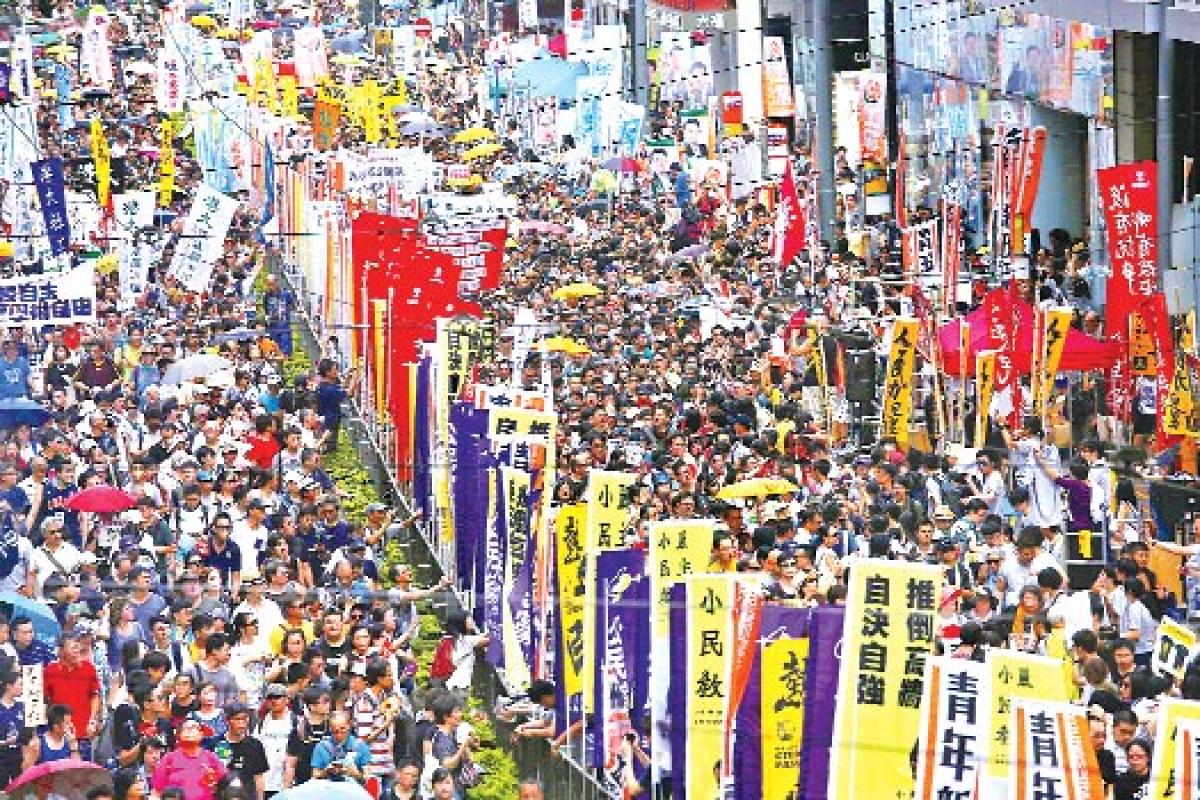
[(132, 212), (312, 61), (203, 236), (95, 54), (85, 218), (22, 68), (33, 694), (168, 87), (1173, 649), (954, 727), (1052, 754), (61, 298)]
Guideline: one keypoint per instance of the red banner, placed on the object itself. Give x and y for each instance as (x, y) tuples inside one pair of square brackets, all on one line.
[(1001, 307), (791, 225), (1128, 193), (951, 255), (1158, 322)]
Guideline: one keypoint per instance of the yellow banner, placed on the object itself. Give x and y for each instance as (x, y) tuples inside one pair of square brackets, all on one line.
[(571, 526), (608, 508), (1164, 780), (1143, 359), (985, 386), (103, 163), (889, 633), (710, 600), (898, 382), (1017, 675), (782, 665), (516, 506), (678, 547), (1056, 323), (1173, 648), (290, 91), (1179, 416), (372, 112), (166, 164)]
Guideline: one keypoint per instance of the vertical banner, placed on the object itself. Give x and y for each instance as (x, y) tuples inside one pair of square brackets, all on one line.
[(327, 114), (1056, 323), (953, 733), (1154, 312), (379, 309), (33, 694), (777, 80), (51, 192), (517, 485), (622, 636), (825, 628), (166, 164), (102, 160), (985, 385), (951, 255), (710, 636), (608, 505), (1173, 648), (781, 680), (890, 610), (790, 234), (1015, 676), (677, 548), (919, 253), (1179, 416), (1000, 312), (1052, 753), (898, 381), (570, 528), (1165, 770)]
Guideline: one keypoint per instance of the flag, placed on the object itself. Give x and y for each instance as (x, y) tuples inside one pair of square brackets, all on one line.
[(269, 185), (51, 192), (1056, 323), (166, 164), (791, 224), (897, 387), (102, 159)]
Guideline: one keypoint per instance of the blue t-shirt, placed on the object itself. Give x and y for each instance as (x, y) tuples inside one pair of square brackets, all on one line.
[(328, 751), (14, 378), (329, 402), (227, 561)]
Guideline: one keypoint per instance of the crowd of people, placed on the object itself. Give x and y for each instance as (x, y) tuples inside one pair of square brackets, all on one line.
[(235, 634)]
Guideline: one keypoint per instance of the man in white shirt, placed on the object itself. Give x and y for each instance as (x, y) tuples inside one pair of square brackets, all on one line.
[(55, 554), (250, 535), (1021, 569)]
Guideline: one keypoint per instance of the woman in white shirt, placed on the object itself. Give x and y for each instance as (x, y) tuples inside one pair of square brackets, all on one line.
[(1138, 625)]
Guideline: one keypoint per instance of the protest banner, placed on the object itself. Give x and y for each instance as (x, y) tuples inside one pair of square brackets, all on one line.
[(1164, 769), (608, 506), (622, 635), (898, 380), (1015, 676), (890, 609), (1056, 322), (825, 627), (33, 694), (1052, 753), (203, 237), (706, 674), (1187, 759), (571, 527), (953, 732), (784, 661), (1173, 646), (515, 507), (985, 384)]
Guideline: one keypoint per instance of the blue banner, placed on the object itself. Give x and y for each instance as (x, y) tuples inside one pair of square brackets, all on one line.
[(48, 180), (62, 93), (269, 180), (622, 636)]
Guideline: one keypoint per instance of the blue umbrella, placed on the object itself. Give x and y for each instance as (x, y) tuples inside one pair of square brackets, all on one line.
[(236, 335), (22, 411), (45, 624)]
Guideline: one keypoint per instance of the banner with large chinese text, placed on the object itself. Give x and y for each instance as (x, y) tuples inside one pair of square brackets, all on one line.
[(60, 298), (954, 728), (889, 635), (203, 237), (1052, 753), (898, 381)]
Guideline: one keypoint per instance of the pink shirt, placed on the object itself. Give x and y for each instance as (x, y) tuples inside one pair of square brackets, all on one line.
[(197, 775)]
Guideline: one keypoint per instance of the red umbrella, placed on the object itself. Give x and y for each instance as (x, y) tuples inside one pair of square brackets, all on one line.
[(102, 499), (68, 777)]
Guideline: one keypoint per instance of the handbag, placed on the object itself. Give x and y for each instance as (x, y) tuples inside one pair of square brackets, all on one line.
[(469, 773)]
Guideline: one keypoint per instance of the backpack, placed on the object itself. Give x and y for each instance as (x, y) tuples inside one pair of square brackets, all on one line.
[(442, 666)]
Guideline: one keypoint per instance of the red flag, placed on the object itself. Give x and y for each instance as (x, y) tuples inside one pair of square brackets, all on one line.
[(1001, 306), (791, 223), (1158, 323)]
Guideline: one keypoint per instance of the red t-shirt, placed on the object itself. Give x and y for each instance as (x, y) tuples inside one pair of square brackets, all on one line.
[(74, 688), (263, 449)]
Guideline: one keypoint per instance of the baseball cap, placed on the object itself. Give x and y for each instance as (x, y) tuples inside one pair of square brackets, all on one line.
[(373, 507), (275, 690)]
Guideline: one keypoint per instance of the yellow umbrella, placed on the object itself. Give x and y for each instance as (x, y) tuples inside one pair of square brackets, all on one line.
[(482, 151), (6, 249), (473, 180), (227, 33), (574, 291), (757, 487), (203, 21), (474, 135), (106, 263), (561, 344), (348, 60), (60, 50)]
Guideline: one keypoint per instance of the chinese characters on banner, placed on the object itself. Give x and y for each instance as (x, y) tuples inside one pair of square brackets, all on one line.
[(51, 192), (782, 670), (898, 382), (1015, 676), (608, 506), (1128, 195), (571, 525), (60, 298), (1173, 647), (919, 252), (102, 159), (1056, 323), (326, 115), (1052, 753), (951, 255), (710, 601), (622, 629), (789, 236), (34, 694), (677, 548), (1000, 311), (985, 385), (1187, 757), (515, 507), (953, 732), (166, 164), (203, 235), (888, 636)]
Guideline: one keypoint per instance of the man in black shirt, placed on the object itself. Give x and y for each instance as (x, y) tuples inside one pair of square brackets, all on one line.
[(242, 753), (312, 727)]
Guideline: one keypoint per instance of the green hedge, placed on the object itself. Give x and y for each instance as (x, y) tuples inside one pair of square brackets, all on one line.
[(348, 472)]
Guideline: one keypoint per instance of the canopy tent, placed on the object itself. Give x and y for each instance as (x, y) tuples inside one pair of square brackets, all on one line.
[(547, 76), (1081, 352)]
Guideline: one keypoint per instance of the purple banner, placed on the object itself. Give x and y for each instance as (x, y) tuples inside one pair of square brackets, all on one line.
[(493, 579), (677, 695), (778, 621), (820, 698), (622, 623), (422, 451), (520, 598), (468, 482)]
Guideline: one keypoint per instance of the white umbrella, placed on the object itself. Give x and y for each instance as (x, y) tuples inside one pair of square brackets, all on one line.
[(141, 68), (197, 366), (317, 789)]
